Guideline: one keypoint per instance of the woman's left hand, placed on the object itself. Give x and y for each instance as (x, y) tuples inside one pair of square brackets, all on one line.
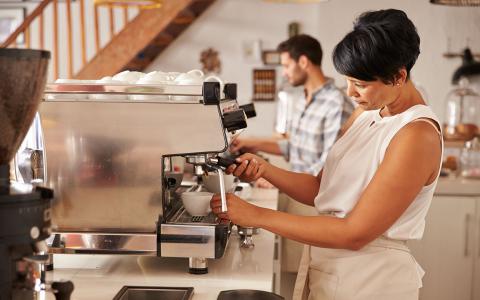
[(238, 211)]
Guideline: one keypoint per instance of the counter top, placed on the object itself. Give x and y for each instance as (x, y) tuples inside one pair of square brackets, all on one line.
[(102, 276), (457, 187)]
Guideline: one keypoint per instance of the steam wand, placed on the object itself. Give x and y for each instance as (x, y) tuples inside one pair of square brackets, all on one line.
[(219, 164)]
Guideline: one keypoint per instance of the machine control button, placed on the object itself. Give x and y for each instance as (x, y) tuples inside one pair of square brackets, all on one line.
[(34, 232)]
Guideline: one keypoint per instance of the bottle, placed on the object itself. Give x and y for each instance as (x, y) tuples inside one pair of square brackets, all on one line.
[(470, 159)]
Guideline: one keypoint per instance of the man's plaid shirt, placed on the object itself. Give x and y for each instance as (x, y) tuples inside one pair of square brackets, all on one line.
[(314, 128)]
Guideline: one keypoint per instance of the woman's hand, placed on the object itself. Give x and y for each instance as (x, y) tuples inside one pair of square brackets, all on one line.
[(239, 211), (249, 167)]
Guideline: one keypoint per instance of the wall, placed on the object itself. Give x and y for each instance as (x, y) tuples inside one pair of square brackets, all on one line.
[(228, 23), (226, 26), (436, 25)]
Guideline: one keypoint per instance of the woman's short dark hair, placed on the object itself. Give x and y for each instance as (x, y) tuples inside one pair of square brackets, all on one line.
[(380, 44), (302, 44)]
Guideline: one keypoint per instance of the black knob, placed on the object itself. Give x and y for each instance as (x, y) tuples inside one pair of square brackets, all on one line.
[(62, 289), (234, 120), (171, 182), (211, 92), (230, 91), (249, 109)]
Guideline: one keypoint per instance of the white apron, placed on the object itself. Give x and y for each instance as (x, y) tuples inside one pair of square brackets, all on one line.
[(382, 270)]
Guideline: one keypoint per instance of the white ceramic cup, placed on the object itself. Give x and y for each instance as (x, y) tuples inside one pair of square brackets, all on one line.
[(173, 75), (212, 182), (130, 77), (197, 72), (192, 77), (153, 78), (197, 203)]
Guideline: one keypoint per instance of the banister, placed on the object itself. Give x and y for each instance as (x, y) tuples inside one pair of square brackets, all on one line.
[(55, 38), (41, 31), (82, 32), (28, 20), (69, 39)]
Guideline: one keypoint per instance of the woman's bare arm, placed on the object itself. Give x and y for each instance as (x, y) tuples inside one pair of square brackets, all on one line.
[(411, 162)]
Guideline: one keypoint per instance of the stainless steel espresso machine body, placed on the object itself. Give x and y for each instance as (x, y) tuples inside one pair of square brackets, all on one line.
[(109, 151)]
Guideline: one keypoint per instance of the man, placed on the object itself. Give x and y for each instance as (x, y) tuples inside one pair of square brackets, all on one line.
[(316, 119)]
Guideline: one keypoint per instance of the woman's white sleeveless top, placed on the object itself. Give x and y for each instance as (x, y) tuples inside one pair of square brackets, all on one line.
[(353, 161)]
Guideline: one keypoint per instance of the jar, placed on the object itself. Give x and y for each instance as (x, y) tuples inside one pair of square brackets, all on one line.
[(470, 159), (462, 113)]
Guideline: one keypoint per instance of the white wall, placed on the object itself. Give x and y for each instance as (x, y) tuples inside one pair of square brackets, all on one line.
[(225, 26), (435, 24), (228, 23)]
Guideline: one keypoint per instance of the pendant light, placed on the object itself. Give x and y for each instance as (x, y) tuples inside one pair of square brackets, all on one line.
[(457, 2), (469, 67)]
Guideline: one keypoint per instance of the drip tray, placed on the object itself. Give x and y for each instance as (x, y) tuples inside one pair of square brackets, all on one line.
[(152, 293), (183, 217)]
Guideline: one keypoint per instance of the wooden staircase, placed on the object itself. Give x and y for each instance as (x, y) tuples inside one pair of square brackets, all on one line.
[(134, 47), (139, 43)]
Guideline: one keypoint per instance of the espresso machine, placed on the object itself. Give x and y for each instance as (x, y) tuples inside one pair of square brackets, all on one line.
[(24, 209), (109, 153)]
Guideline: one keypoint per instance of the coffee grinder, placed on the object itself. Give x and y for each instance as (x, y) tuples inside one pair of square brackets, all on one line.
[(24, 209)]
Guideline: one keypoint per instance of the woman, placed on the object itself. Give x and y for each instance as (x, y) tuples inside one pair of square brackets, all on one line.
[(378, 181)]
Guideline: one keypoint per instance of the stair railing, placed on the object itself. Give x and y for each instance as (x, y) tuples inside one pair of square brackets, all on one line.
[(38, 14)]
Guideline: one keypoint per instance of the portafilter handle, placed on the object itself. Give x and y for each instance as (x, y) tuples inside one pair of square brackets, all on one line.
[(225, 162)]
